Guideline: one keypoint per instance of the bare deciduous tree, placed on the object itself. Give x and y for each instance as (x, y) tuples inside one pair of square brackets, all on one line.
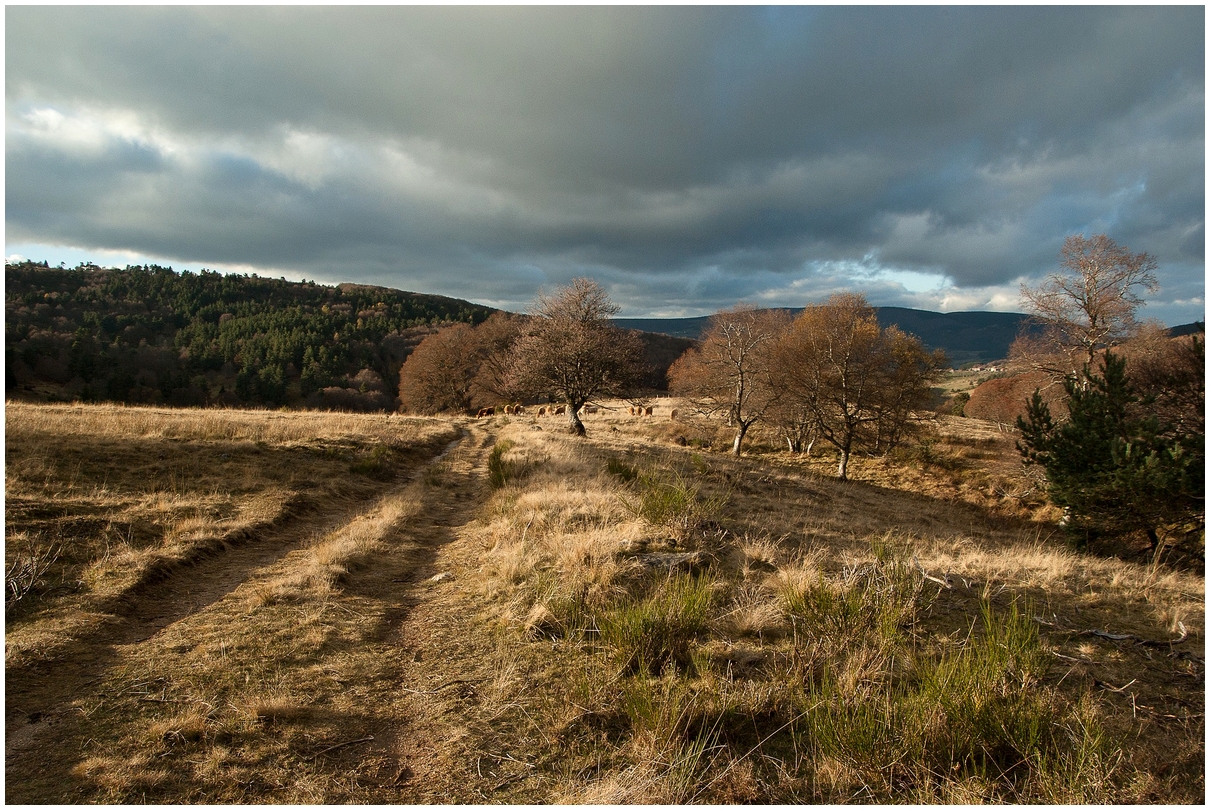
[(906, 386), (1088, 306), (439, 373), (461, 368), (857, 381), (494, 381), (572, 352), (729, 371)]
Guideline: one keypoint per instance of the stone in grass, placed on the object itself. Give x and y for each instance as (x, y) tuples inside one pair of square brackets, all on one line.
[(444, 576), (690, 562)]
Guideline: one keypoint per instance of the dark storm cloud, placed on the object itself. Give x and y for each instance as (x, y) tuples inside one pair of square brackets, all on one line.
[(686, 157)]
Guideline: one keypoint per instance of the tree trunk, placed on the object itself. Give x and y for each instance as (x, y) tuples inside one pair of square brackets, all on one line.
[(843, 471), (574, 426), (736, 446)]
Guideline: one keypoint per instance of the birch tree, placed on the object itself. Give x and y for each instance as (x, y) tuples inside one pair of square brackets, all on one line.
[(729, 371), (1087, 306)]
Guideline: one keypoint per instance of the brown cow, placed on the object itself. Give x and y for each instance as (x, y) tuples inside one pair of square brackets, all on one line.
[(562, 409), (518, 409), (674, 414), (649, 411), (485, 412), (541, 412)]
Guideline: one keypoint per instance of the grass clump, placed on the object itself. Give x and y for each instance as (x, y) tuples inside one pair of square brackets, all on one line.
[(877, 599), (379, 464), (657, 632), (620, 469), (972, 719), (501, 470), (671, 504)]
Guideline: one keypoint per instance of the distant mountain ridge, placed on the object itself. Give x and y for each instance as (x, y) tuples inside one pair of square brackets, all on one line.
[(965, 337)]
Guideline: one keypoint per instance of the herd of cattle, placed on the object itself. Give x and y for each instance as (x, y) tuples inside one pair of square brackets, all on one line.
[(556, 410)]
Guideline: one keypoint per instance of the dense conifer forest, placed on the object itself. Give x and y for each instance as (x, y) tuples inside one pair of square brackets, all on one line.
[(152, 335)]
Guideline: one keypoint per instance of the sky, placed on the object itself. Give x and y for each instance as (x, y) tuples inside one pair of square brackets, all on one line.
[(687, 158)]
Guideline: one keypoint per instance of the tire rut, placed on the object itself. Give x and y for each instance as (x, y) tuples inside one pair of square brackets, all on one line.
[(39, 696)]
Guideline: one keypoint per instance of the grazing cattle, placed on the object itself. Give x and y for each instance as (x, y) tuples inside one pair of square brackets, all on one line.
[(485, 412), (674, 414), (560, 410), (518, 409), (632, 410), (589, 409), (649, 411), (541, 411), (508, 410)]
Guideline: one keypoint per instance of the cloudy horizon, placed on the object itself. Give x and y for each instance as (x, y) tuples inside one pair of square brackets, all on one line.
[(686, 158)]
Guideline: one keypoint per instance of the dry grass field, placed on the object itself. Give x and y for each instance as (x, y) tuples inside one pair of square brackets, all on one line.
[(239, 607)]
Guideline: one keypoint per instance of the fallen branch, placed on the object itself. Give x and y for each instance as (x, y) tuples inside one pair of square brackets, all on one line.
[(947, 582), (330, 748), (514, 778), (1121, 690), (1138, 639), (443, 686), (1149, 642)]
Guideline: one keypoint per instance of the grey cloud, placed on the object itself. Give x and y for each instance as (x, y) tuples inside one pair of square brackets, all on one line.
[(690, 157)]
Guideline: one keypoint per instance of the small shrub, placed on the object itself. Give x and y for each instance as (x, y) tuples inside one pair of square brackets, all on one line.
[(671, 504), (499, 470), (26, 569), (648, 635)]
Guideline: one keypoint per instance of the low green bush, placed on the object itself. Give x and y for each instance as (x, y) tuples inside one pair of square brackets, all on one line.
[(656, 632), (670, 503), (501, 470)]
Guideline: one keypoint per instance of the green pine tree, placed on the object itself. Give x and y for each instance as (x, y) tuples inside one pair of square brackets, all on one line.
[(1113, 466)]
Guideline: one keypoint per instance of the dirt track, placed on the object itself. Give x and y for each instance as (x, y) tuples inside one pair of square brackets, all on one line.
[(417, 644)]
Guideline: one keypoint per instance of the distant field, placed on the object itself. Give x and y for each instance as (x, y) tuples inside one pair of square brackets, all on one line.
[(258, 606)]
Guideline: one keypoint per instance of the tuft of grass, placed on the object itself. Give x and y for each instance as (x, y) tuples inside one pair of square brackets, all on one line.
[(620, 469), (657, 632), (501, 470), (877, 599), (670, 503), (380, 464)]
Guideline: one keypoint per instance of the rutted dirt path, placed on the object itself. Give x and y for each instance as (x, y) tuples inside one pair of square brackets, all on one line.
[(44, 722)]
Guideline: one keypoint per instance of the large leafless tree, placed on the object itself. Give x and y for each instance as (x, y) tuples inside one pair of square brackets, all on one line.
[(730, 370), (858, 382), (572, 352), (461, 367), (439, 373), (1087, 306)]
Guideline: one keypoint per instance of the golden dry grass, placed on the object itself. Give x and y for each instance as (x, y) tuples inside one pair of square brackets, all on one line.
[(798, 630), (128, 493), (789, 526)]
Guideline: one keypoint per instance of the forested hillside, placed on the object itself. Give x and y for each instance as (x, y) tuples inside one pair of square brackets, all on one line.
[(152, 335)]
